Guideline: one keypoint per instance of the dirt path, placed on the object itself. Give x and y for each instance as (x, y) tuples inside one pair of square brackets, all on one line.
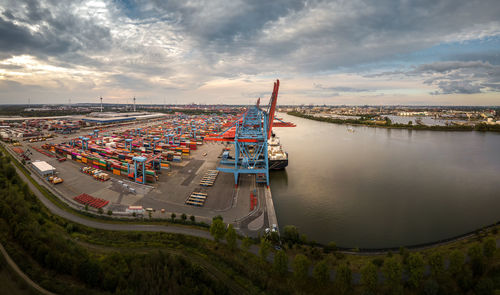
[(20, 273)]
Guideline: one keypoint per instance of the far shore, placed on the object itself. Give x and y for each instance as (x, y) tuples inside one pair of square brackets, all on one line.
[(388, 124)]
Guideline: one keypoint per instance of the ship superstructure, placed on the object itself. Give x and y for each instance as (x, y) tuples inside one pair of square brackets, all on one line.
[(278, 159)]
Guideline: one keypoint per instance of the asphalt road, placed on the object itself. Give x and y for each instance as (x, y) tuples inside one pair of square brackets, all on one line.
[(111, 226)]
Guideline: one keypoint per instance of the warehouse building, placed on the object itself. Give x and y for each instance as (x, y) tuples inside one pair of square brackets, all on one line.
[(43, 168)]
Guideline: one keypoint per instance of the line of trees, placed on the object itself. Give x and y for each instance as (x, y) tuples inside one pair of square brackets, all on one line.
[(475, 269)]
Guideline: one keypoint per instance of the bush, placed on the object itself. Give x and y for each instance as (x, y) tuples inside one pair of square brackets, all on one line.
[(331, 247), (379, 261)]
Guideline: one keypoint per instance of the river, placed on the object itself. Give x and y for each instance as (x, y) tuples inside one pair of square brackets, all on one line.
[(378, 187)]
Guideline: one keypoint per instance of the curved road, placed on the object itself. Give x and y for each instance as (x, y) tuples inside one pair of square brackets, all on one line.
[(110, 226)]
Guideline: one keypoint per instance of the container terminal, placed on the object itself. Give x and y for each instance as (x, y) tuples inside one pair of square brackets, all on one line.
[(158, 164)]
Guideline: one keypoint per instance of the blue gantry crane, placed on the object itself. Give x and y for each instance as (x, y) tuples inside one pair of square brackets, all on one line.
[(249, 134)]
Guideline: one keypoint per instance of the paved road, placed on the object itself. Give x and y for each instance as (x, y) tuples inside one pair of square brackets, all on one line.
[(111, 226)]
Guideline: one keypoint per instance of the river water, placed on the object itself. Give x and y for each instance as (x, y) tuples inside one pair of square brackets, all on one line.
[(378, 187)]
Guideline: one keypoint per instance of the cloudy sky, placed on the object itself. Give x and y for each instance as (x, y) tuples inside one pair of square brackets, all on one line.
[(436, 52)]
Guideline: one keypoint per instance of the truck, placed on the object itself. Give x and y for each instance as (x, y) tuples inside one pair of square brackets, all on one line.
[(55, 180)]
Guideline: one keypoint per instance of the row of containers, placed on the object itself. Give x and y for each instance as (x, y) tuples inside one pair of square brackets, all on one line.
[(161, 145)]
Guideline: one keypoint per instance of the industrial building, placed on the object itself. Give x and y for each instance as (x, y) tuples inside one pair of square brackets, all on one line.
[(43, 168)]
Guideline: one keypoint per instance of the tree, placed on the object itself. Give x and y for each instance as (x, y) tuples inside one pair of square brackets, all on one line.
[(192, 218), (404, 254), (183, 216), (264, 248), (100, 211), (231, 237), (477, 264), (457, 259), (416, 269), (246, 243), (388, 121), (172, 216), (489, 247), (110, 212), (281, 262), (303, 239), (217, 229), (465, 279), (343, 279), (291, 234), (301, 267), (379, 261), (436, 264), (321, 272), (86, 207), (431, 287), (410, 123), (485, 286), (392, 271), (369, 278)]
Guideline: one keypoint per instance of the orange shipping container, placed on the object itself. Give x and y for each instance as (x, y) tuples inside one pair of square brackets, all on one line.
[(116, 171)]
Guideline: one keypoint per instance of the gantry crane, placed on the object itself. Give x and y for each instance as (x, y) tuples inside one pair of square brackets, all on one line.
[(249, 133)]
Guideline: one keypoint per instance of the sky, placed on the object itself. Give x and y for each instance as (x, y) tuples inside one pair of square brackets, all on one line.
[(352, 52)]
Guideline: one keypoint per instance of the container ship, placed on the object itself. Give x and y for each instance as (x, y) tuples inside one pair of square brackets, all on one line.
[(278, 159)]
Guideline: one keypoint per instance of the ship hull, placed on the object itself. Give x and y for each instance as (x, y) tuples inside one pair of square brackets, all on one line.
[(278, 164)]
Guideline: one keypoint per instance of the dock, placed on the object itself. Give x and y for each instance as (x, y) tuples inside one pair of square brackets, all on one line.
[(271, 214)]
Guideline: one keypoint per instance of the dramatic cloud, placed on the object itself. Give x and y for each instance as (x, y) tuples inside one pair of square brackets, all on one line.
[(178, 49), (460, 77)]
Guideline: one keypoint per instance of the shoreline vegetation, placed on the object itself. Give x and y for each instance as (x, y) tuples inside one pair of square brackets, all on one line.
[(369, 121)]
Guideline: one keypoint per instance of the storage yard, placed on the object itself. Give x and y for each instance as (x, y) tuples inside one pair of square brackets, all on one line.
[(120, 163), (163, 164)]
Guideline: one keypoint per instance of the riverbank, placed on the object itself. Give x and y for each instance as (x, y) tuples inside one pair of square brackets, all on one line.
[(388, 124)]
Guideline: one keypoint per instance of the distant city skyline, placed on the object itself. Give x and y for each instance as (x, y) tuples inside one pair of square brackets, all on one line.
[(441, 52)]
